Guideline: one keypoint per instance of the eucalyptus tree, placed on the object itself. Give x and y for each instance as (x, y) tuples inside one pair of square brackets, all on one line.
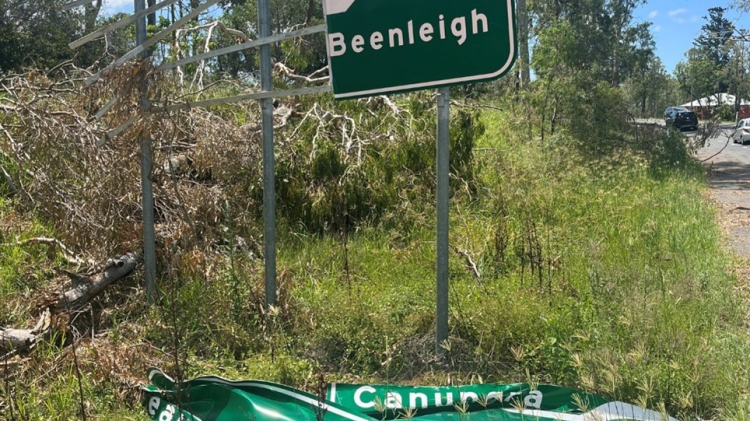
[(734, 74), (651, 90), (608, 44), (304, 54), (583, 50), (37, 33), (698, 76)]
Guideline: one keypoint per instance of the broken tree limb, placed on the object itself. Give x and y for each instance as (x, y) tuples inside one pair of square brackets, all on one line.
[(84, 292), (469, 264), (9, 180), (290, 73), (17, 338), (84, 289), (20, 339)]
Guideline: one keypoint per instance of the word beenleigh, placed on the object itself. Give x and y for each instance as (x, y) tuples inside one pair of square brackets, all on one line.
[(377, 40)]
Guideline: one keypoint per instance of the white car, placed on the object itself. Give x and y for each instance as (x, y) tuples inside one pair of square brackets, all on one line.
[(742, 131)]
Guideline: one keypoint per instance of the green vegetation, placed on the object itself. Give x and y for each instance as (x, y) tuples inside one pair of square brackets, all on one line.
[(599, 269), (716, 63), (584, 252)]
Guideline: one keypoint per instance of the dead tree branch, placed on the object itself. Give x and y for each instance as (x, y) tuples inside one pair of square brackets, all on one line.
[(290, 73), (469, 263), (239, 36), (84, 289), (82, 293), (14, 339)]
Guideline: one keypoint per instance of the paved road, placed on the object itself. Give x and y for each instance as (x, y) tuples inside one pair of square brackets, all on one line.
[(729, 169)]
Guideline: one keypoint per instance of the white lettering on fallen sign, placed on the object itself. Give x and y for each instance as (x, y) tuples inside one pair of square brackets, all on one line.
[(364, 397)]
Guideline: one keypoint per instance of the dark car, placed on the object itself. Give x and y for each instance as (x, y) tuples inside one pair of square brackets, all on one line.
[(681, 118)]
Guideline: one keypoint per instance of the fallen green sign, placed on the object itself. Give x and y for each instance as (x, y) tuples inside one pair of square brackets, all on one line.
[(212, 398), (382, 46)]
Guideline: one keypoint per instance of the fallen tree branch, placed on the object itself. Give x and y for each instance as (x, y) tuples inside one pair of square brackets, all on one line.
[(9, 180), (15, 339), (469, 264), (239, 36), (84, 292), (84, 289), (290, 73)]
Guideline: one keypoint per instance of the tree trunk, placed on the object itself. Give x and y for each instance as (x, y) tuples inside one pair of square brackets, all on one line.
[(523, 42), (84, 290), (90, 15), (151, 18)]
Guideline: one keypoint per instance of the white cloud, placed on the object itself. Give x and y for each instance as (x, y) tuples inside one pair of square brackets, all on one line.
[(653, 14), (673, 13), (115, 6), (657, 28)]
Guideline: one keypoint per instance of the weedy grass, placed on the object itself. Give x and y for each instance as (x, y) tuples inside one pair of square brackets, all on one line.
[(22, 267), (599, 268)]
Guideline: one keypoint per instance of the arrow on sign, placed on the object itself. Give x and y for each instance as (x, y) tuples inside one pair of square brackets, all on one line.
[(333, 7)]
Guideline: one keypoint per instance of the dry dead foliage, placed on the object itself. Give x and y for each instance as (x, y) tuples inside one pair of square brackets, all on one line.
[(73, 155), (91, 195)]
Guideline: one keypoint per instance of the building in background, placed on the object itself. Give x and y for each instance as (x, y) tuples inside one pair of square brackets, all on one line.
[(712, 105)]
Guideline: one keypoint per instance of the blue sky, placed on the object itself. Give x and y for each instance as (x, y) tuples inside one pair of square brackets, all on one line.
[(676, 23), (113, 6)]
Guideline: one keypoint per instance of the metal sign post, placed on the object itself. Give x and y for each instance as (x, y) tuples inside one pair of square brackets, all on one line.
[(269, 183), (266, 96), (149, 232), (385, 46), (443, 179), (374, 47), (377, 47)]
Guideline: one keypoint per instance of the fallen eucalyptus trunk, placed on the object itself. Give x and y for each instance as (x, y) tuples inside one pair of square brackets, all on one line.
[(83, 291), (18, 339)]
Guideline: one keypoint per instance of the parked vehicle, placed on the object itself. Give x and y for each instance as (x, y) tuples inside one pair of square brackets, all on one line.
[(681, 118), (742, 131)]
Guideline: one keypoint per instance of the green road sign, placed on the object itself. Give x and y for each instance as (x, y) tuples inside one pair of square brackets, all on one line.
[(383, 46), (212, 398)]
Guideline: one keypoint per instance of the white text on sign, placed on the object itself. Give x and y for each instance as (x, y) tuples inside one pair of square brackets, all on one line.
[(395, 36)]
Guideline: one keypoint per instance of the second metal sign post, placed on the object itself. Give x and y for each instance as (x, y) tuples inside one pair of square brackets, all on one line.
[(377, 47)]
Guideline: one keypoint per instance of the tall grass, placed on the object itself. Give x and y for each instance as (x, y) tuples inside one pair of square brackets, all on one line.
[(601, 268), (601, 271)]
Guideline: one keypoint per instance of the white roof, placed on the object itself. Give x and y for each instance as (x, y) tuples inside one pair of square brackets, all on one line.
[(715, 100)]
